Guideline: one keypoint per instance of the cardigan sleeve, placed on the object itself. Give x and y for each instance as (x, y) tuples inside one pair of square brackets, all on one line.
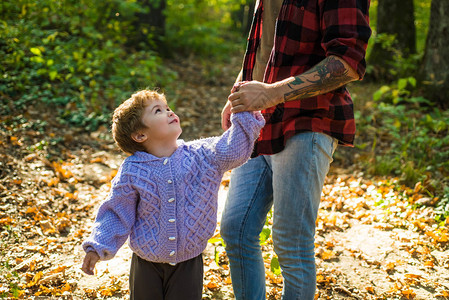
[(234, 147), (114, 219)]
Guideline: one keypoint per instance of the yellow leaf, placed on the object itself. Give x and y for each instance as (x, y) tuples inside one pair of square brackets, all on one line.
[(442, 238), (72, 196), (389, 267), (429, 263), (36, 51), (212, 284), (59, 269), (414, 276), (32, 265), (442, 294), (66, 288), (15, 141), (96, 160), (35, 279), (6, 221), (370, 289), (53, 182), (409, 294), (31, 210), (321, 279), (106, 292)]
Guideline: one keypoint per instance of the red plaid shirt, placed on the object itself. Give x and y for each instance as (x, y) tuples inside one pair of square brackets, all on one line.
[(307, 31)]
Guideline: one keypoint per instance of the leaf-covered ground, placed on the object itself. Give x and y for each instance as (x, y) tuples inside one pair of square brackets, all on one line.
[(375, 238)]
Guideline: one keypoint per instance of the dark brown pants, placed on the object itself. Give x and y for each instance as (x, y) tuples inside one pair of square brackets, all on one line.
[(159, 281)]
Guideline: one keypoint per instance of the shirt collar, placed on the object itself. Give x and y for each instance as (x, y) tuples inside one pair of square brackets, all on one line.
[(141, 156)]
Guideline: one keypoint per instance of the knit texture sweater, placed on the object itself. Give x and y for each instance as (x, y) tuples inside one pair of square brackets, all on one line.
[(167, 206)]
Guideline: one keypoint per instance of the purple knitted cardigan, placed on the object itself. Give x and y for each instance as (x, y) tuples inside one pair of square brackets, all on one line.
[(167, 206)]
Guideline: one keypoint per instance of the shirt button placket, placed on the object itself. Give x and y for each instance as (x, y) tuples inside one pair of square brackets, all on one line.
[(171, 213)]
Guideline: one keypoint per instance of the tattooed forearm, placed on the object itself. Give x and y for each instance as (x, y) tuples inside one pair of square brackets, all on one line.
[(297, 81), (327, 76)]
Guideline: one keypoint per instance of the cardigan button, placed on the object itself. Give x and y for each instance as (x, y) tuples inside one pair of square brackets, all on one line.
[(165, 161), (172, 253), (171, 220), (169, 181), (171, 200), (172, 238)]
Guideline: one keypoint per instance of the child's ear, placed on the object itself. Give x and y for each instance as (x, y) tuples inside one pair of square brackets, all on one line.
[(139, 137)]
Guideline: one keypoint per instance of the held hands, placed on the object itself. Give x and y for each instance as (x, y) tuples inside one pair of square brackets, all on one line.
[(89, 262), (226, 112), (253, 95), (249, 96)]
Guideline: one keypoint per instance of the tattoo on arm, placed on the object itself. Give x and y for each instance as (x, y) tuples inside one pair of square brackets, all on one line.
[(327, 76), (297, 81)]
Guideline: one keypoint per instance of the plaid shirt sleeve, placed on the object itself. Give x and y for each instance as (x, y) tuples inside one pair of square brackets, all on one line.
[(345, 31)]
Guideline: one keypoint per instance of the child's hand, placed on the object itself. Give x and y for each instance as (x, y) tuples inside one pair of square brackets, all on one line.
[(236, 86), (90, 260)]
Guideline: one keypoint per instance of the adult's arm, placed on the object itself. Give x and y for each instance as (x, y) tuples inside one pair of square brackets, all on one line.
[(328, 75)]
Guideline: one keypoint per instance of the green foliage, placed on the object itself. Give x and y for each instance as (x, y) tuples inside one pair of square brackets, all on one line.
[(266, 231), (265, 234), (400, 65), (411, 139), (77, 57), (442, 208), (202, 27), (70, 55), (274, 266)]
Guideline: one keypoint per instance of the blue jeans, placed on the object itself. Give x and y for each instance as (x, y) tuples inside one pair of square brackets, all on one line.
[(291, 181)]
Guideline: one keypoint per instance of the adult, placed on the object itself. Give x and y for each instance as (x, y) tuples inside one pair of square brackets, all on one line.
[(297, 63)]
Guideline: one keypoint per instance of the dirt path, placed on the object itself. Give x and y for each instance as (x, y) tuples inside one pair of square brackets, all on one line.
[(362, 253), (371, 245)]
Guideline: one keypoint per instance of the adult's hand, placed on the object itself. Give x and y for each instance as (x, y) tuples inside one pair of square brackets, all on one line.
[(254, 95)]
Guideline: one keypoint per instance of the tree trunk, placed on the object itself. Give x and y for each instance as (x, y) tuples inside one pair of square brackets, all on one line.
[(434, 73), (150, 24), (247, 17), (394, 18), (243, 17)]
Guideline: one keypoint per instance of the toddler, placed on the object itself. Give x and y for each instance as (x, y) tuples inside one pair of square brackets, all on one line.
[(164, 196)]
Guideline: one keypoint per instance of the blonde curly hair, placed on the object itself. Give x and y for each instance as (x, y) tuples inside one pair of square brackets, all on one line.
[(127, 119)]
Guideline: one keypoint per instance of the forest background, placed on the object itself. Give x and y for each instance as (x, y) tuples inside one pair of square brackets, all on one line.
[(68, 64)]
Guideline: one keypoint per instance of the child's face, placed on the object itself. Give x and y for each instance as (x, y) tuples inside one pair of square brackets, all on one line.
[(161, 122)]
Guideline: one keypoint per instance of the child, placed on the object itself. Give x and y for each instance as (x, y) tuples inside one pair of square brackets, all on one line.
[(164, 196)]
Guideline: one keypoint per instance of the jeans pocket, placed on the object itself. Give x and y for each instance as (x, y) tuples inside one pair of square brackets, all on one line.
[(325, 144)]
